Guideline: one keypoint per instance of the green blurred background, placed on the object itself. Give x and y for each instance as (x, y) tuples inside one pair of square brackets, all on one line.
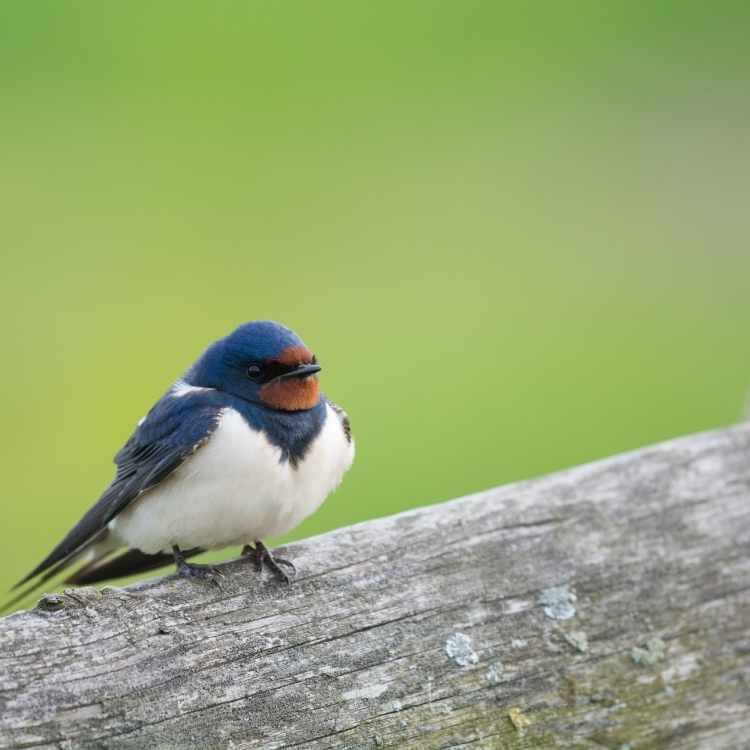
[(514, 234)]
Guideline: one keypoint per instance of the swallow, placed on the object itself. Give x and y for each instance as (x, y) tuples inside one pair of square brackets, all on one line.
[(243, 447)]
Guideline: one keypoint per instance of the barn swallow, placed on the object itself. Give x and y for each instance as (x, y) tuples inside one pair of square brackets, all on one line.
[(243, 447)]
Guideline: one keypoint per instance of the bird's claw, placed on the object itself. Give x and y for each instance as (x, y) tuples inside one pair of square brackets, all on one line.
[(276, 563), (262, 556)]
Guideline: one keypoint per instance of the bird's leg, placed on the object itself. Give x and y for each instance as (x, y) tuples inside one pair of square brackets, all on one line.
[(262, 556), (254, 553), (194, 570)]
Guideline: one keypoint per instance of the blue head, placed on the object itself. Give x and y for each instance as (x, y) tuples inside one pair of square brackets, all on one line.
[(262, 362)]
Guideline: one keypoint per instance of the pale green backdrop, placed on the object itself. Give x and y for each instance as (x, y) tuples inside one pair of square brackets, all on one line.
[(516, 235)]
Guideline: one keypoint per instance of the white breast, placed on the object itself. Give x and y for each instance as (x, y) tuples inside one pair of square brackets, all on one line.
[(235, 489)]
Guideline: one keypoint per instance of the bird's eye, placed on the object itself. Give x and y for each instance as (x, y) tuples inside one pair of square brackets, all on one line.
[(254, 372)]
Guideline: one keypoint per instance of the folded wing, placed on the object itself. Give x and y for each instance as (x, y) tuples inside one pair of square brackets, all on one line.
[(171, 432)]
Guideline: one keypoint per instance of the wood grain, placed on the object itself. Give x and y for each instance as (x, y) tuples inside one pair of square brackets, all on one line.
[(603, 607)]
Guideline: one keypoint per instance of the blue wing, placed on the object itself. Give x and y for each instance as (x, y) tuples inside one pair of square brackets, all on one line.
[(172, 431)]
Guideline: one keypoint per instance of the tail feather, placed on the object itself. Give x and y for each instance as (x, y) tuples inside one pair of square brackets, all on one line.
[(99, 565), (98, 548), (130, 562)]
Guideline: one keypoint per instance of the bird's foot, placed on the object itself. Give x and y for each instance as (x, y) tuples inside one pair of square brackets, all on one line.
[(262, 556), (196, 570)]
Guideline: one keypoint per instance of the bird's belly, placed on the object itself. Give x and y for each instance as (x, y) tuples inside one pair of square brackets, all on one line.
[(235, 489)]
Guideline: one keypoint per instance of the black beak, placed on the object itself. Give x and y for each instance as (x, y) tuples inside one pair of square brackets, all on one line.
[(301, 371)]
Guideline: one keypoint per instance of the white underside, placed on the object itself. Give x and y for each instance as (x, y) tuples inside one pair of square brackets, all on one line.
[(234, 490)]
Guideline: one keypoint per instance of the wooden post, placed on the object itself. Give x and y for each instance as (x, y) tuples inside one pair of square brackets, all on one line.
[(603, 607)]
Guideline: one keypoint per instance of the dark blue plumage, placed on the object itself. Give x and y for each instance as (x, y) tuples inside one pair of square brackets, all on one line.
[(292, 432), (224, 364)]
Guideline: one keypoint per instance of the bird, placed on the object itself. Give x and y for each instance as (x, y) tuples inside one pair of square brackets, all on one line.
[(244, 446)]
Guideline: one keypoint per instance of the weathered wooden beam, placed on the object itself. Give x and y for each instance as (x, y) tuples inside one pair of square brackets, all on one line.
[(603, 607)]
